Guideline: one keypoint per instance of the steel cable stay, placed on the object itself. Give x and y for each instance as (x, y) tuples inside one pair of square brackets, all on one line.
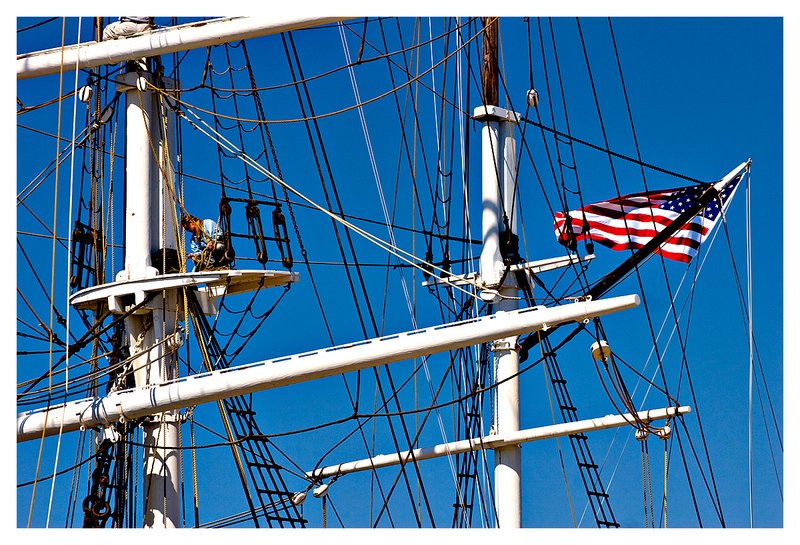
[(304, 256), (465, 486), (443, 193), (405, 256), (616, 185), (239, 411), (585, 465), (52, 301), (562, 465), (93, 267), (305, 80), (572, 166), (391, 234), (489, 387), (101, 119), (689, 437), (91, 335), (372, 415), (568, 164), (744, 309), (474, 466), (672, 306), (612, 169), (641, 377), (530, 366), (294, 63), (406, 150), (330, 423), (466, 375), (650, 382), (749, 329), (281, 235), (315, 117)]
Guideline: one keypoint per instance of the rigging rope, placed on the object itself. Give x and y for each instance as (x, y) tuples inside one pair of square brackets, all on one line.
[(666, 469), (398, 252), (52, 281), (749, 252), (392, 239), (315, 117)]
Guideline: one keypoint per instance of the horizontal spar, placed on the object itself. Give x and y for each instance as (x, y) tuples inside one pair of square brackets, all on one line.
[(159, 42), (494, 441), (235, 381)]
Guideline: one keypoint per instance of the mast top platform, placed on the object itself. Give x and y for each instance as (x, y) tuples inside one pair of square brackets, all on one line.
[(495, 113), (213, 284)]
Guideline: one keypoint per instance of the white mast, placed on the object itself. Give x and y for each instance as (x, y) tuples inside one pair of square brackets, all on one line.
[(499, 166), (150, 221), (150, 228)]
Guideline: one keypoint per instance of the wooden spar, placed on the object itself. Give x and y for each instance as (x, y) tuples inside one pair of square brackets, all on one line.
[(489, 68), (159, 42), (600, 287), (494, 441), (233, 381)]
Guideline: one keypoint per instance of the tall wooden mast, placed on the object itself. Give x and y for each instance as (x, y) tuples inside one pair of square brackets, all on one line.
[(489, 66)]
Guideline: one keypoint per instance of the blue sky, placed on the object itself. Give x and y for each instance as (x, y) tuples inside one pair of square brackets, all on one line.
[(706, 94)]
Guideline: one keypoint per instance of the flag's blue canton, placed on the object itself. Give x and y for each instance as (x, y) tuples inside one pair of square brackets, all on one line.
[(687, 196), (682, 199)]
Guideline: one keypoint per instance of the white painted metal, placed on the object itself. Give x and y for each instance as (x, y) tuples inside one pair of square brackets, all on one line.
[(536, 267), (162, 470), (159, 42), (508, 169), (498, 186), (491, 261), (244, 379), (507, 458), (146, 213), (494, 441), (141, 172), (720, 185), (214, 283)]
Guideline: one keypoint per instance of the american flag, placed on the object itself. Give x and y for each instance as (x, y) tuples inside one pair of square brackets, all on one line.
[(633, 220)]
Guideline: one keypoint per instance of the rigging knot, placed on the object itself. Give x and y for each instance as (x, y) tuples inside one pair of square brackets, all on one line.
[(579, 298)]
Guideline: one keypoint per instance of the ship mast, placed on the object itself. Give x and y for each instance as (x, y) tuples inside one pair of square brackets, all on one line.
[(148, 291), (499, 229), (150, 230)]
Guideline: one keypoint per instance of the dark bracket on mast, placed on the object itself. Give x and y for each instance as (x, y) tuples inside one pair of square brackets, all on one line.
[(255, 229), (281, 236), (254, 226), (279, 230), (84, 239), (228, 255)]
